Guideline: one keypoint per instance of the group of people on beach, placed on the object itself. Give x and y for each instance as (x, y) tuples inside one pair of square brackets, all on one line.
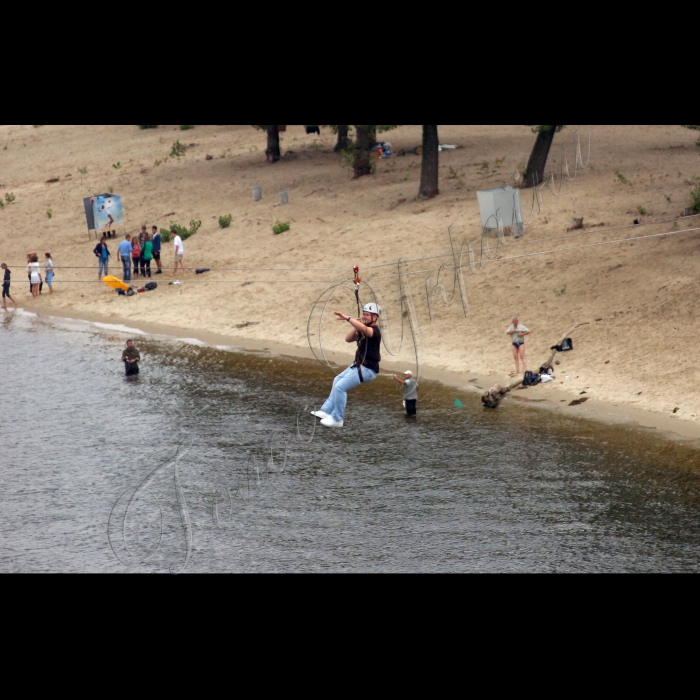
[(140, 251), (36, 281)]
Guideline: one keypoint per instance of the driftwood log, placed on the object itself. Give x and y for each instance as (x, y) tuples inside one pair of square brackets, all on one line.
[(492, 397)]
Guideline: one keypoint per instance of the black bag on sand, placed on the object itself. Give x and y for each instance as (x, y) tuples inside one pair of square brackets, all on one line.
[(530, 378), (130, 292), (150, 286), (566, 345)]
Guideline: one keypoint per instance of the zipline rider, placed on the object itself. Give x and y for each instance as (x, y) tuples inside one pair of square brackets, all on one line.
[(364, 369)]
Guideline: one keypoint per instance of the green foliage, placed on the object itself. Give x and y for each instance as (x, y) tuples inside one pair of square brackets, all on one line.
[(178, 149), (117, 165), (36, 126), (145, 126), (642, 211), (2, 204), (281, 227), (186, 127), (10, 197), (544, 128), (559, 292), (183, 232), (695, 200), (694, 128), (225, 221), (49, 213), (82, 171), (622, 178), (165, 235)]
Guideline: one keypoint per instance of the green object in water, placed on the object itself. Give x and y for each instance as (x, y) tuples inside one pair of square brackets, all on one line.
[(458, 403)]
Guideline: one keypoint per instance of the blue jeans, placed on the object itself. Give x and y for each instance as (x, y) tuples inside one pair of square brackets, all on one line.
[(104, 267), (346, 380), (126, 261)]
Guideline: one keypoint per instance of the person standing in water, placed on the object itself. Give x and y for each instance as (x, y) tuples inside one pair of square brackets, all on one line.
[(410, 391), (517, 333), (364, 369), (6, 287), (131, 358)]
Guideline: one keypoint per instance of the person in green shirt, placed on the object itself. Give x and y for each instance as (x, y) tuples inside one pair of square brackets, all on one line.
[(146, 257)]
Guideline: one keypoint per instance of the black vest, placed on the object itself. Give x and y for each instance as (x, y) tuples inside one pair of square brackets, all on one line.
[(368, 353)]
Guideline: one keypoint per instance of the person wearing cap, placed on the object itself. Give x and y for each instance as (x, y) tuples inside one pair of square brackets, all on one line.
[(364, 369), (131, 357), (410, 391)]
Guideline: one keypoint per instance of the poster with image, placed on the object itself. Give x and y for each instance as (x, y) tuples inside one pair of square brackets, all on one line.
[(108, 212)]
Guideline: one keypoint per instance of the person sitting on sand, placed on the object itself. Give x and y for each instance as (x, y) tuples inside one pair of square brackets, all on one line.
[(517, 333), (131, 357), (6, 287), (365, 368)]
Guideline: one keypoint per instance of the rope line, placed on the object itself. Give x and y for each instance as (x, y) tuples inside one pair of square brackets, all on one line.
[(416, 272)]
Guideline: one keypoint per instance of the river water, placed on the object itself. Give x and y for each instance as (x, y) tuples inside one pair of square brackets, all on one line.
[(210, 462)]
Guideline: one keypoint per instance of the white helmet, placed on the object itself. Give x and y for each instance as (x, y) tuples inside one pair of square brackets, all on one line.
[(372, 308)]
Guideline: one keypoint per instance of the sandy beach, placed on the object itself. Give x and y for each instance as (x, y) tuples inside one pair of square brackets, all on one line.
[(634, 286)]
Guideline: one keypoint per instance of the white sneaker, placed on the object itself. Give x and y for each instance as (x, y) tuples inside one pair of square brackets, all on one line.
[(330, 423), (320, 414)]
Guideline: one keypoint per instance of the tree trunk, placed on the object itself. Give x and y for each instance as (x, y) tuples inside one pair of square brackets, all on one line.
[(534, 173), (361, 165), (429, 164), (273, 144), (342, 143)]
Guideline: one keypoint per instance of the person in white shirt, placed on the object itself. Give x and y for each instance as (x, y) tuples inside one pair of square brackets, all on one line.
[(179, 252), (517, 333), (34, 271)]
